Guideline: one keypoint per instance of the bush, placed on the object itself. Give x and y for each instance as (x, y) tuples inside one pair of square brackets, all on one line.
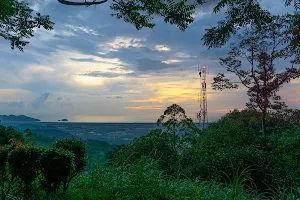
[(230, 145), (157, 145), (78, 148), (56, 168), (9, 133), (24, 164)]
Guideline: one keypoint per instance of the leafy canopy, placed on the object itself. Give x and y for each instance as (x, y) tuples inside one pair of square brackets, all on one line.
[(141, 13), (17, 22)]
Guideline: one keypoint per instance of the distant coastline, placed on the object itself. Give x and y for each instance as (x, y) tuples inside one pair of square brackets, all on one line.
[(17, 118)]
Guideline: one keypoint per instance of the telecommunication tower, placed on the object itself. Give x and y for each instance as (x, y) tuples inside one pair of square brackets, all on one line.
[(202, 115)]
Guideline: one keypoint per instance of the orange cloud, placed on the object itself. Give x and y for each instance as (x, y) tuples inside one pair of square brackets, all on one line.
[(226, 110), (145, 107)]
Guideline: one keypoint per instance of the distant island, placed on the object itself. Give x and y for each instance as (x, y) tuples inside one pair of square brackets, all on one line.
[(17, 118), (63, 120)]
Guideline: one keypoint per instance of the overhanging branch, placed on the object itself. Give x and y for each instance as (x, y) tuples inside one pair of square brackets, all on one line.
[(71, 3)]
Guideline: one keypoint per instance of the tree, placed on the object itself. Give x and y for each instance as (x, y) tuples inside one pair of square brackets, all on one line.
[(261, 46), (177, 124), (175, 120), (18, 23)]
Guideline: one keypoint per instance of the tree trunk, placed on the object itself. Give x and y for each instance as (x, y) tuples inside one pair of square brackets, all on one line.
[(263, 124)]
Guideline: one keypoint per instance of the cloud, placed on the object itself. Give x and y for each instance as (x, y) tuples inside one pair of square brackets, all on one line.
[(92, 58), (162, 48), (83, 59), (145, 107), (152, 65), (107, 74), (58, 36), (114, 97), (40, 102), (122, 42), (17, 104)]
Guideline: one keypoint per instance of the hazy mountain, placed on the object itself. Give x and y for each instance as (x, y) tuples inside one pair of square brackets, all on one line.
[(17, 118)]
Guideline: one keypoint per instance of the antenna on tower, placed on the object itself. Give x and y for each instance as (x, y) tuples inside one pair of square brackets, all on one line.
[(202, 115)]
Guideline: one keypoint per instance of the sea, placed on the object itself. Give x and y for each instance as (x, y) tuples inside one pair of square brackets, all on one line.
[(113, 133)]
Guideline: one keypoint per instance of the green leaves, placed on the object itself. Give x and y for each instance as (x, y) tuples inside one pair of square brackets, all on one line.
[(18, 23), (239, 14), (56, 166), (175, 120), (142, 12), (26, 169), (24, 163), (296, 3), (78, 148)]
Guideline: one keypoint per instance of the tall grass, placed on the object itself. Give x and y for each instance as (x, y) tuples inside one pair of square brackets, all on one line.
[(144, 180)]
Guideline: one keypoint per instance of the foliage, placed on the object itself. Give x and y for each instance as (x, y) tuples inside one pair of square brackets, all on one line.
[(31, 172), (56, 167), (24, 164), (240, 14), (230, 144), (29, 138), (155, 145), (18, 23), (7, 134), (141, 14), (78, 148), (175, 120), (144, 180)]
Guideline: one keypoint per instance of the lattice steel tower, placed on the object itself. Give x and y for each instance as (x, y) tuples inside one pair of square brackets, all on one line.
[(202, 115)]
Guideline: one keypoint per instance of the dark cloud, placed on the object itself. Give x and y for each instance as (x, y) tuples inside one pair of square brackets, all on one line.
[(152, 65), (58, 36), (114, 97), (40, 102)]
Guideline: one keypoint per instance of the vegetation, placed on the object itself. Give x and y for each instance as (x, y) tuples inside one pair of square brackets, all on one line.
[(32, 172), (228, 160), (18, 23)]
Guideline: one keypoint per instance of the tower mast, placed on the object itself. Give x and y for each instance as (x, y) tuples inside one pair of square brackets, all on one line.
[(202, 115)]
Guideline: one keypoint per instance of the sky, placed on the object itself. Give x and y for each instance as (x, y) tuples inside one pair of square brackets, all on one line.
[(95, 68)]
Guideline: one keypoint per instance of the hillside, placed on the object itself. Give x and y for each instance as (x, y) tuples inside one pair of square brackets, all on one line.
[(17, 118)]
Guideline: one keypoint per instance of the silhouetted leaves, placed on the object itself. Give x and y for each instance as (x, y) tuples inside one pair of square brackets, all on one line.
[(17, 22)]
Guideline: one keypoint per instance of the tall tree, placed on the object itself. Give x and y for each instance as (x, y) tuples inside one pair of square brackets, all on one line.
[(175, 120), (17, 22), (261, 46)]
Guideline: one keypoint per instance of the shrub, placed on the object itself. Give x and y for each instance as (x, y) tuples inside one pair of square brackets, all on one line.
[(24, 163), (9, 133), (228, 145), (157, 145), (56, 166), (78, 148)]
